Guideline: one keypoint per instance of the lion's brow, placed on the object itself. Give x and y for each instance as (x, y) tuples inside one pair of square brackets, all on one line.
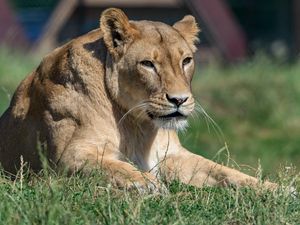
[(160, 35)]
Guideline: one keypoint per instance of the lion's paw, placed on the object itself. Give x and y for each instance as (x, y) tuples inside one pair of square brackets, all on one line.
[(144, 183)]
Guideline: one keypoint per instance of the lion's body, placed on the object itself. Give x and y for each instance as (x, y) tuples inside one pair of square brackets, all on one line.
[(74, 104)]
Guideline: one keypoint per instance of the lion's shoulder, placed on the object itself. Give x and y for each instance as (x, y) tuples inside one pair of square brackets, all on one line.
[(81, 47), (73, 66)]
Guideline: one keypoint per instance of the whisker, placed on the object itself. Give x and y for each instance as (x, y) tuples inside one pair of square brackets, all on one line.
[(139, 116), (141, 105), (195, 114), (199, 111), (210, 120)]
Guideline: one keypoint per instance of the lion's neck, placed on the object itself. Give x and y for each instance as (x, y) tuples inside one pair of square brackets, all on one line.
[(136, 140)]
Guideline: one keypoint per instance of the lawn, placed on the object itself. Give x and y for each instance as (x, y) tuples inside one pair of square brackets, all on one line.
[(52, 199), (256, 129)]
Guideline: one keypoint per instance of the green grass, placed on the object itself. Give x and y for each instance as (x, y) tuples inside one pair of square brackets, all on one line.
[(255, 104), (53, 199)]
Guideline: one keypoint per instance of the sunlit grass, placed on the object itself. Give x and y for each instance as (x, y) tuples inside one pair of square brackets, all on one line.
[(48, 198)]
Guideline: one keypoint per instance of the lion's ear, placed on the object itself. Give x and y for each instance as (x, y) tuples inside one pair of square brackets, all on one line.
[(117, 30), (189, 29)]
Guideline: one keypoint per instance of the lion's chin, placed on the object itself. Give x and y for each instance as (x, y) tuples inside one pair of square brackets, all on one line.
[(171, 123)]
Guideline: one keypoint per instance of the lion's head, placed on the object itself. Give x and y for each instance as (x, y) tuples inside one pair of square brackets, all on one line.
[(150, 66)]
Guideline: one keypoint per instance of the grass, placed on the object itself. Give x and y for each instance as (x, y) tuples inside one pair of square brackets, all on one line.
[(52, 199), (254, 104)]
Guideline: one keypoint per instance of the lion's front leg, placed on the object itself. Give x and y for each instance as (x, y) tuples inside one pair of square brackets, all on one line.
[(198, 171), (85, 158), (125, 175)]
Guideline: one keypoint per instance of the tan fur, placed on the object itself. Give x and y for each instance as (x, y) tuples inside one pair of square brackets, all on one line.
[(96, 103)]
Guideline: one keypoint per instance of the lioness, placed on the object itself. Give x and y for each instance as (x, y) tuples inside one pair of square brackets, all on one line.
[(113, 99)]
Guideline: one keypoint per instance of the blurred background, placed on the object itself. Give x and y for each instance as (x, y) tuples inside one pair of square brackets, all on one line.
[(247, 77)]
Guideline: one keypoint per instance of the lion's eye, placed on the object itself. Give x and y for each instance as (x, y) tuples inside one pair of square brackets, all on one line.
[(186, 61), (147, 63)]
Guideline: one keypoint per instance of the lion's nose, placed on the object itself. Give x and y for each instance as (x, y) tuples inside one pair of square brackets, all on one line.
[(177, 100)]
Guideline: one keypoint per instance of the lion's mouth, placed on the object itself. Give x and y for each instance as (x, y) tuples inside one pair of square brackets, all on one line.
[(168, 116), (175, 120)]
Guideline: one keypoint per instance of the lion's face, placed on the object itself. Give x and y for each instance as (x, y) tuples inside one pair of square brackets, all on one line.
[(153, 69)]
